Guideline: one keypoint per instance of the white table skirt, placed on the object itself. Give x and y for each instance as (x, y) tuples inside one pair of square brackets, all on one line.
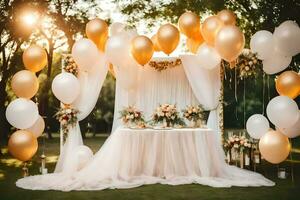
[(168, 153), (131, 158)]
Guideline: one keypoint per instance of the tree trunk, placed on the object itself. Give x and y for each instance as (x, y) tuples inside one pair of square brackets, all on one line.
[(4, 125), (44, 101)]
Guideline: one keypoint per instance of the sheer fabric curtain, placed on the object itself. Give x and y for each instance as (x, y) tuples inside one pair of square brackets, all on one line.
[(90, 85), (206, 85), (154, 88)]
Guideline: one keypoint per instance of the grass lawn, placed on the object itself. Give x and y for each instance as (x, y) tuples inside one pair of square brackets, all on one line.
[(10, 171)]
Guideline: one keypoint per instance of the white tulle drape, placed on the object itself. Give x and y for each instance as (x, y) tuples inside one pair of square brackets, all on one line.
[(90, 86), (154, 88), (130, 158), (206, 85)]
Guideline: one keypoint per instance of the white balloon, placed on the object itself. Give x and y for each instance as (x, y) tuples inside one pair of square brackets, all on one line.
[(85, 54), (257, 125), (283, 112), (118, 53), (276, 63), (83, 154), (293, 131), (262, 44), (208, 57), (22, 113), (287, 38), (118, 50), (116, 28), (38, 127), (66, 87)]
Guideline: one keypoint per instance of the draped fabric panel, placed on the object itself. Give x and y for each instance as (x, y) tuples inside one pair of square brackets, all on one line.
[(206, 85), (90, 86)]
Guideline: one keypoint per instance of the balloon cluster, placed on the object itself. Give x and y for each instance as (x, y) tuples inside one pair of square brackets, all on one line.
[(22, 113), (274, 145), (277, 49), (125, 47), (217, 38), (86, 54)]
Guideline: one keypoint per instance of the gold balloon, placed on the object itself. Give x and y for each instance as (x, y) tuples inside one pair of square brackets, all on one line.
[(168, 38), (210, 28), (155, 43), (288, 84), (189, 24), (35, 58), (230, 42), (193, 44), (274, 146), (227, 17), (22, 145), (97, 31), (111, 70), (37, 128), (25, 84), (142, 49)]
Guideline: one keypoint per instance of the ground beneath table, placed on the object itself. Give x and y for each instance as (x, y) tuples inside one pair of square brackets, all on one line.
[(10, 171)]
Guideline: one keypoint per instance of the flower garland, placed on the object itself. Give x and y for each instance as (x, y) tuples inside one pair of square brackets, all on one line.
[(131, 115), (248, 65), (70, 65), (167, 113), (67, 117), (193, 113), (163, 65), (239, 143)]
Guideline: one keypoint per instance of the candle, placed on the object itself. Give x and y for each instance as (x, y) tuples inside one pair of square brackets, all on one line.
[(247, 160)]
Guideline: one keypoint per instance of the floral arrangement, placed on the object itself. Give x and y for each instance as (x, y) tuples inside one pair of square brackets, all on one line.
[(193, 113), (167, 113), (67, 117), (163, 65), (70, 65), (130, 115), (248, 64), (239, 143)]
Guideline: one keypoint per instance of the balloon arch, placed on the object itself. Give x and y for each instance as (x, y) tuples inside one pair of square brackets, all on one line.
[(216, 39)]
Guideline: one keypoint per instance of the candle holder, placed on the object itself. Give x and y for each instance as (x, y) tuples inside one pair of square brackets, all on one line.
[(25, 170), (43, 169), (242, 159), (281, 173)]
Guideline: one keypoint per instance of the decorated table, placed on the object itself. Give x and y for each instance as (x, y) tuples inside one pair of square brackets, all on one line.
[(134, 157)]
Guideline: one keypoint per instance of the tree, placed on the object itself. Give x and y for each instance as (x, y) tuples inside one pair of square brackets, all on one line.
[(12, 37), (64, 21)]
